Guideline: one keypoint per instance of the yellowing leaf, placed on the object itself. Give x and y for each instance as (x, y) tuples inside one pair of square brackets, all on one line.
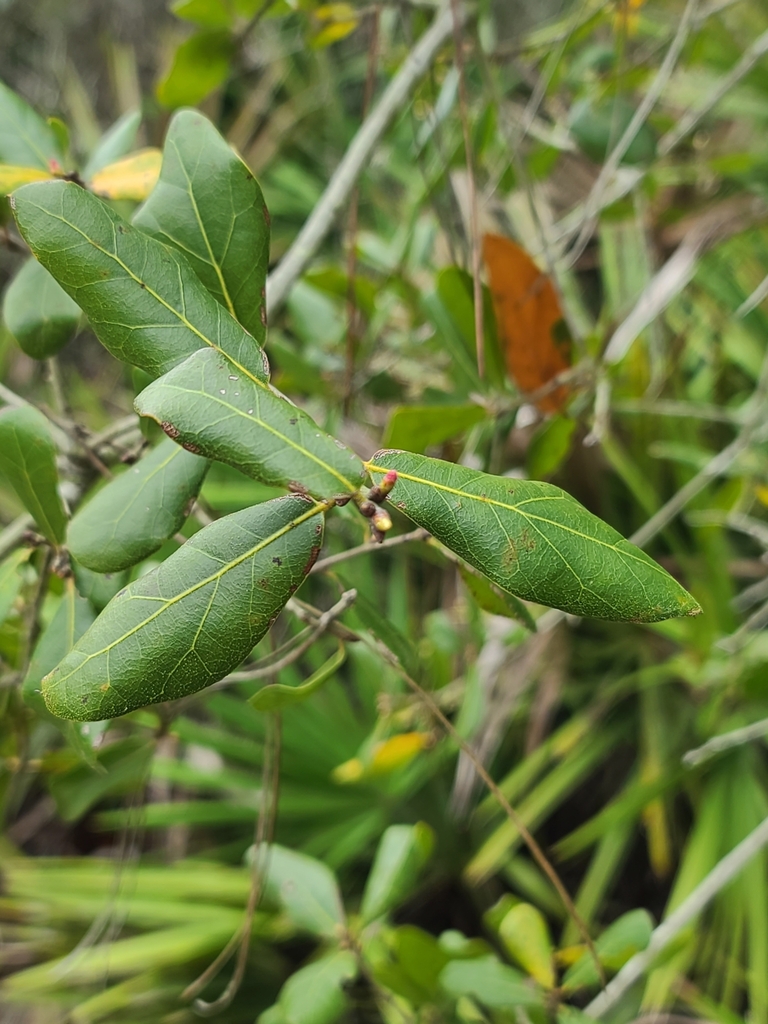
[(133, 177), (526, 938), (761, 493), (12, 177), (529, 319), (397, 751), (340, 21)]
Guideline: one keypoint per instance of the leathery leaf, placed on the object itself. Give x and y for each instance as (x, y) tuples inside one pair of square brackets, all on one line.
[(142, 298), (533, 540), (191, 620), (136, 512), (28, 460), (208, 205), (210, 407)]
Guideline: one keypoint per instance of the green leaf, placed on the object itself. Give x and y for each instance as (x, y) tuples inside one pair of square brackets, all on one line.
[(206, 13), (628, 935), (278, 696), (25, 138), (208, 205), (491, 982), (307, 890), (118, 141), (210, 407), (134, 514), (200, 65), (120, 767), (420, 426), (142, 298), (73, 617), (314, 994), (28, 460), (549, 447), (525, 935), (11, 579), (598, 127), (38, 312), (96, 587), (413, 968), (402, 853), (191, 620), (495, 601), (533, 540)]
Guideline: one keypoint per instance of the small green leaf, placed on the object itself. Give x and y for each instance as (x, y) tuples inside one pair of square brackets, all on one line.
[(38, 312), (597, 127), (208, 205), (118, 141), (491, 982), (402, 853), (209, 406), (549, 447), (142, 298), (191, 620), (73, 617), (314, 994), (629, 934), (11, 579), (525, 935), (413, 967), (420, 426), (28, 460), (134, 514), (25, 138), (96, 587), (493, 600), (307, 890), (206, 13), (533, 540), (200, 65), (277, 696)]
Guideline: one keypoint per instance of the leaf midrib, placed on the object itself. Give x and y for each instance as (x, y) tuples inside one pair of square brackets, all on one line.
[(158, 298), (526, 515), (266, 426), (317, 509)]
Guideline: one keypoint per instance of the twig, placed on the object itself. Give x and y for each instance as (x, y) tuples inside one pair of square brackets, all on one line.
[(13, 534), (688, 121), (457, 14), (611, 165), (364, 549), (320, 221), (723, 873), (726, 740), (264, 832), (506, 806), (249, 675), (716, 465), (753, 300), (353, 313)]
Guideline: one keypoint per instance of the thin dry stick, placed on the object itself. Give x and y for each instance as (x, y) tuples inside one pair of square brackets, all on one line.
[(241, 940), (474, 225), (364, 549), (353, 313), (688, 121), (249, 675), (392, 101), (649, 100), (725, 741), (723, 873), (506, 806)]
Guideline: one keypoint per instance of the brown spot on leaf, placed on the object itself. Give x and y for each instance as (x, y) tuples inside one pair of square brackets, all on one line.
[(267, 218), (170, 430), (509, 558), (263, 315), (277, 561), (188, 446)]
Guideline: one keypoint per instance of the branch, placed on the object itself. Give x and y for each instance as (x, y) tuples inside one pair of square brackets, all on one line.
[(723, 873), (320, 221), (364, 549), (726, 740)]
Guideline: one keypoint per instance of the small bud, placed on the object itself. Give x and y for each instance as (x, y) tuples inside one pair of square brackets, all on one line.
[(381, 490), (367, 509), (381, 520)]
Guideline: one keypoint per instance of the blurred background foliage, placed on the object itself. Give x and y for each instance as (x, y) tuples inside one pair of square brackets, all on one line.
[(123, 870)]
